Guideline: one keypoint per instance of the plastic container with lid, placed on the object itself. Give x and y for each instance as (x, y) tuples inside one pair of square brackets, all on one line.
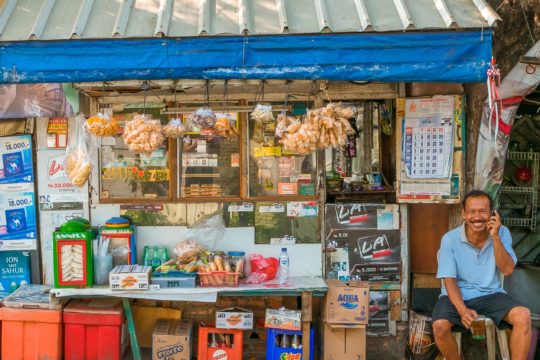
[(237, 260)]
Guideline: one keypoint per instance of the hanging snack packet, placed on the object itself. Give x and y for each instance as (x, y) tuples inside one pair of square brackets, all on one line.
[(202, 118), (143, 135), (174, 129), (102, 125), (77, 161)]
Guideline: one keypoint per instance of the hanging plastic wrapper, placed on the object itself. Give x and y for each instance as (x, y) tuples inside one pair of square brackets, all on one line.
[(78, 161), (174, 129), (208, 230), (202, 118), (102, 125), (143, 135), (489, 149)]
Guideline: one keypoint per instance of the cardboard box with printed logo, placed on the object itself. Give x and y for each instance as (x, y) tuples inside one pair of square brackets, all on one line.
[(344, 342), (347, 302), (171, 340), (234, 318)]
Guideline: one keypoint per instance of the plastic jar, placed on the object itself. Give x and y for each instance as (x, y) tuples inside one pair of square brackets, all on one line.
[(237, 260)]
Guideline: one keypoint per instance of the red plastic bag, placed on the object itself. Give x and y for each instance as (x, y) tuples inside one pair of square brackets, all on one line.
[(262, 269)]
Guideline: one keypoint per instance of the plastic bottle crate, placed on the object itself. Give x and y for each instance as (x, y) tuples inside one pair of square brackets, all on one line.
[(219, 351), (275, 352)]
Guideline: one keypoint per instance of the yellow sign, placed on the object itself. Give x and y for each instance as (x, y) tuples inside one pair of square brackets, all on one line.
[(121, 173), (260, 151)]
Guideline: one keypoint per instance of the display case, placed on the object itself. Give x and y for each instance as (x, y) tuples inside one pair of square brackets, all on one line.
[(210, 162), (273, 171), (125, 174)]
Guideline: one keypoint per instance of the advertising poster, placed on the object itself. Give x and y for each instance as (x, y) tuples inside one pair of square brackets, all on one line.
[(361, 216), (363, 242), (17, 221), (16, 168), (34, 100), (379, 314), (18, 230), (14, 270)]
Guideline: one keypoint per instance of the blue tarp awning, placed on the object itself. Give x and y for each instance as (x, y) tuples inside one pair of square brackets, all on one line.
[(384, 57)]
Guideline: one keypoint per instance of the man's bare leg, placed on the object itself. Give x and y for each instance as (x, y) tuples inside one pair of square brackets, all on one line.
[(520, 318), (446, 343)]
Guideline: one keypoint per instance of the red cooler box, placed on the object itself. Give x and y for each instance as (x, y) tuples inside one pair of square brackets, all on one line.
[(93, 330)]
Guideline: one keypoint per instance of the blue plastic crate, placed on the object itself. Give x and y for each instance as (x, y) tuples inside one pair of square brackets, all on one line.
[(274, 352)]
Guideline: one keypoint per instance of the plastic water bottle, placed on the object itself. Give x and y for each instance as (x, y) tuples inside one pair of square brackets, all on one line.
[(283, 271)]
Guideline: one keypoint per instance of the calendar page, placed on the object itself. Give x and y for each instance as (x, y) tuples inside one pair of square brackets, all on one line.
[(428, 137)]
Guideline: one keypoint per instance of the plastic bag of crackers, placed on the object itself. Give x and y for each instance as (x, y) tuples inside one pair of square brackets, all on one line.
[(78, 161)]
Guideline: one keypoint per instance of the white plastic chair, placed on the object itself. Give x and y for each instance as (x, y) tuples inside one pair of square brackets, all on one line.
[(491, 329)]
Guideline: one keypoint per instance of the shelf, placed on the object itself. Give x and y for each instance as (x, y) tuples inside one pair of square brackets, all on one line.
[(523, 155), (518, 189), (527, 222)]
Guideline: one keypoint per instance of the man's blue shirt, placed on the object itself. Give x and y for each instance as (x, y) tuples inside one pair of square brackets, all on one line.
[(474, 269)]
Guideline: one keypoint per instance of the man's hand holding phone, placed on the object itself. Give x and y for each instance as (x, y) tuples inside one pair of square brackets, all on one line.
[(494, 223)]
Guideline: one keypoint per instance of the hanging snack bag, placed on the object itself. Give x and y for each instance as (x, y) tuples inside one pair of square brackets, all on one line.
[(224, 129), (174, 129), (77, 161), (202, 118), (102, 125), (143, 135)]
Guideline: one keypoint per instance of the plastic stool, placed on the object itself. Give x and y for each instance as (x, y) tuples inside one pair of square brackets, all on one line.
[(491, 329)]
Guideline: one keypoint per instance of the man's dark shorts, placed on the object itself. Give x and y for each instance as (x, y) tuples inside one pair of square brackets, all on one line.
[(495, 306)]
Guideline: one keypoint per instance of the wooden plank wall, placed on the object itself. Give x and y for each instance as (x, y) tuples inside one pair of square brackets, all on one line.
[(428, 223)]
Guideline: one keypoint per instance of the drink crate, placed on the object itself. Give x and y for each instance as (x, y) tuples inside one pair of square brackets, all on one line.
[(219, 279), (219, 343), (275, 349)]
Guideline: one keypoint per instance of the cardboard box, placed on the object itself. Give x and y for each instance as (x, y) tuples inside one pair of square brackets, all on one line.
[(171, 340), (234, 318), (344, 342), (130, 277), (283, 319), (347, 302)]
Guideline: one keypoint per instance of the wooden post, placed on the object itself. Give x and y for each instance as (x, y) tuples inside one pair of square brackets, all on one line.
[(135, 349), (307, 314)]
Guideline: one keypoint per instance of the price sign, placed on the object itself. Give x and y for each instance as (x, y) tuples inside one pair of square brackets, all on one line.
[(20, 201), (16, 145)]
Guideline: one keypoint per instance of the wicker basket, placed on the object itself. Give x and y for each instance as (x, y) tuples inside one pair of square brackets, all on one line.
[(219, 279)]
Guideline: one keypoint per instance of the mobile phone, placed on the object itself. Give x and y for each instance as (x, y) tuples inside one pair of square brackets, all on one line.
[(493, 212)]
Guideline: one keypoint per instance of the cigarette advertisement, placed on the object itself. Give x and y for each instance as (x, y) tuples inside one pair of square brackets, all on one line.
[(17, 221), (18, 229), (16, 168)]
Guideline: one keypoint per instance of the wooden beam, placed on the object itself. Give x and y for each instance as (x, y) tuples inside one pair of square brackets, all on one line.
[(307, 314)]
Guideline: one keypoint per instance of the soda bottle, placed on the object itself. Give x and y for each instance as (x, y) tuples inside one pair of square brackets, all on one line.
[(295, 342), (284, 341), (283, 271), (156, 261), (164, 256), (148, 256)]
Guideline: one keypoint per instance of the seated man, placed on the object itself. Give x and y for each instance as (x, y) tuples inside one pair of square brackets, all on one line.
[(470, 260)]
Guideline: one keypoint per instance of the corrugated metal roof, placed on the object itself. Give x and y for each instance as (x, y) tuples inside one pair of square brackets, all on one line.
[(99, 19)]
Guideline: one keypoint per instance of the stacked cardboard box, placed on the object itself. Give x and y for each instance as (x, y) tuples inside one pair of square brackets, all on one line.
[(346, 314)]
